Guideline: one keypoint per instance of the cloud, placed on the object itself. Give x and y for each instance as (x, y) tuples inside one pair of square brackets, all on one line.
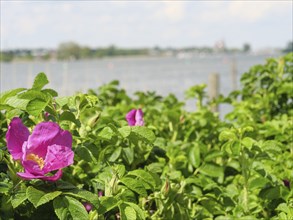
[(253, 11), (171, 11), (143, 23), (244, 11)]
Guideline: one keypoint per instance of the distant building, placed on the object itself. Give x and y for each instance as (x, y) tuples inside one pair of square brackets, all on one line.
[(220, 46)]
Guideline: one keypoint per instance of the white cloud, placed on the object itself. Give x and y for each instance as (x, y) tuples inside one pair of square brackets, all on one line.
[(170, 10), (244, 11), (143, 23), (253, 11)]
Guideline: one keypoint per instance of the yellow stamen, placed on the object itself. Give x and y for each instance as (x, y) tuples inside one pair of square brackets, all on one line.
[(37, 159)]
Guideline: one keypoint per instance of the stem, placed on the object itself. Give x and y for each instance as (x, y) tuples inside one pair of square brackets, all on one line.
[(174, 136), (245, 174)]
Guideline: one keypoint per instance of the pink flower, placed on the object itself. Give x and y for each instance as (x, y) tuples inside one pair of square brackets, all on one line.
[(135, 117), (88, 207), (100, 193), (47, 149)]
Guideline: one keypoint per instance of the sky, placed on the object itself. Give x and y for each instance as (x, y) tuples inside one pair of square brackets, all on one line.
[(46, 24)]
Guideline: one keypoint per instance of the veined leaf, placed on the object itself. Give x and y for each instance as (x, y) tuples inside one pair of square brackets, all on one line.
[(36, 106), (18, 199), (76, 209), (37, 197), (139, 211), (61, 208), (40, 81), (61, 101), (17, 102), (144, 132), (10, 93), (134, 185), (106, 134), (85, 195), (227, 136), (52, 92), (211, 170), (33, 94), (127, 212), (107, 204), (145, 176), (34, 195), (125, 131), (115, 155), (194, 156)]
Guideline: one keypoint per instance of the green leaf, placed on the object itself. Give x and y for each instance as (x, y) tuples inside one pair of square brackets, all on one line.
[(61, 208), (139, 211), (84, 195), (235, 148), (76, 209), (34, 195), (18, 199), (36, 106), (40, 81), (144, 132), (37, 197), (61, 101), (248, 142), (129, 154), (125, 131), (115, 155), (68, 116), (284, 208), (145, 176), (227, 135), (52, 92), (106, 134), (127, 212), (33, 94), (212, 154), (17, 102), (5, 187), (258, 182), (48, 197), (107, 204), (134, 185), (212, 170), (84, 153), (10, 93), (194, 156), (270, 193)]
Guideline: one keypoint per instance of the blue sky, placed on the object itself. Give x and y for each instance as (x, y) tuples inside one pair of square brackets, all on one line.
[(34, 24)]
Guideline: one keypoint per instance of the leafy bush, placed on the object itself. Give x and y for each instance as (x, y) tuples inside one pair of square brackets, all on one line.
[(179, 165)]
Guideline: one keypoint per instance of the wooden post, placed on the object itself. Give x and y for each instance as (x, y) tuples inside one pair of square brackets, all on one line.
[(234, 74), (213, 89), (65, 78)]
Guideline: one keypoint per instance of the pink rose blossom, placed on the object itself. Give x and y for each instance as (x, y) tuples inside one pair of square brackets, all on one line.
[(47, 149), (88, 207), (135, 117)]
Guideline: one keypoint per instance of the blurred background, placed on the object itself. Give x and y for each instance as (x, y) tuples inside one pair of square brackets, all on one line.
[(162, 46)]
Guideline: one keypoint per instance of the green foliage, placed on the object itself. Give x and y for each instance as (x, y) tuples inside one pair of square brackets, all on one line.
[(180, 165)]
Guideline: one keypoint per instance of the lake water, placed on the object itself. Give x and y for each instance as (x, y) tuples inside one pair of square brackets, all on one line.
[(161, 74)]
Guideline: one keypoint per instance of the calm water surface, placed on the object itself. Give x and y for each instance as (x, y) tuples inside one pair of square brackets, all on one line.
[(161, 74)]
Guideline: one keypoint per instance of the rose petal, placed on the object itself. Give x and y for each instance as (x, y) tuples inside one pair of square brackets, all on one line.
[(29, 176), (130, 117), (139, 118), (16, 135), (53, 178), (58, 157), (46, 134), (32, 167)]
